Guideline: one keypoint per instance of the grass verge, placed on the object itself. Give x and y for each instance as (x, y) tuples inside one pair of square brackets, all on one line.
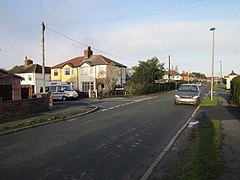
[(30, 122), (209, 102), (201, 159)]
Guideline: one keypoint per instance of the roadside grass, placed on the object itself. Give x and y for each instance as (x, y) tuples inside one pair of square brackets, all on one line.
[(30, 122), (201, 159), (209, 102)]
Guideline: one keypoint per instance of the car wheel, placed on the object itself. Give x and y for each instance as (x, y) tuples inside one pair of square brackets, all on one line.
[(64, 98)]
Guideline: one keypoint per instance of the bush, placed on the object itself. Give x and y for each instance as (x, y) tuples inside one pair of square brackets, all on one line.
[(235, 90), (151, 88)]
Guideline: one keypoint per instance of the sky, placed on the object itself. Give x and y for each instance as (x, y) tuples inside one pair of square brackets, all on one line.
[(124, 31)]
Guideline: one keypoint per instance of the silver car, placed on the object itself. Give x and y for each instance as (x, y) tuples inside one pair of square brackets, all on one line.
[(187, 94)]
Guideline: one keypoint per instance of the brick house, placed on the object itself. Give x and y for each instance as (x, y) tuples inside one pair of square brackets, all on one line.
[(32, 77), (10, 86), (186, 76)]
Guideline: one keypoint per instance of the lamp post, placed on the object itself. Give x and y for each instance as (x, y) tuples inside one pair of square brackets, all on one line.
[(211, 95)]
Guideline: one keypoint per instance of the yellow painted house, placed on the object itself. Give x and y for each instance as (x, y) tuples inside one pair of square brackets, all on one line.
[(83, 71)]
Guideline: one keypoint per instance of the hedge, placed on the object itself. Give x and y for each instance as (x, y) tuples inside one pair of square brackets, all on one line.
[(235, 90)]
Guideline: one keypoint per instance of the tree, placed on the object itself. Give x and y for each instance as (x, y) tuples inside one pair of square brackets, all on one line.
[(148, 71), (110, 76), (199, 75)]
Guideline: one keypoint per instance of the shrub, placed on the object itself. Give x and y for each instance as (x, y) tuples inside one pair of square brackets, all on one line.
[(235, 90)]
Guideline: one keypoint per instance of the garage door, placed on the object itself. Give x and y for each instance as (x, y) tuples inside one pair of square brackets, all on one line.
[(6, 92)]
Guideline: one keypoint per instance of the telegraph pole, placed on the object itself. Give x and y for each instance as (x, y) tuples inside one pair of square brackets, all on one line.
[(169, 68), (221, 70), (43, 59)]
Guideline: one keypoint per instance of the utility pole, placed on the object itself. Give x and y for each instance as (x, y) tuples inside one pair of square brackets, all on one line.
[(212, 79), (169, 68), (221, 71), (43, 59)]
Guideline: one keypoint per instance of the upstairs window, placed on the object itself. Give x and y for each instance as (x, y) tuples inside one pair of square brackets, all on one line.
[(29, 77), (55, 72), (67, 71), (84, 70)]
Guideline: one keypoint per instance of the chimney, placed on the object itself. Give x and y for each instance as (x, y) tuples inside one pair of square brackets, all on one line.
[(88, 52), (27, 61)]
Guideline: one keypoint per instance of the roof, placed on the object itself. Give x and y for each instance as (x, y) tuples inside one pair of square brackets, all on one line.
[(232, 74), (93, 60), (31, 68), (4, 74), (75, 62), (172, 73)]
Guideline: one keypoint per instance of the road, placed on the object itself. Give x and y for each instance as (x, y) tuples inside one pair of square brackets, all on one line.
[(120, 141)]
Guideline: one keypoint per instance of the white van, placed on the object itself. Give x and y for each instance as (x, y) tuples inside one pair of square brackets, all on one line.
[(61, 90)]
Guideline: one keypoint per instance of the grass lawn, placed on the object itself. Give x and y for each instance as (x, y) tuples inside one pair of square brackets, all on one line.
[(201, 159), (28, 123), (209, 102)]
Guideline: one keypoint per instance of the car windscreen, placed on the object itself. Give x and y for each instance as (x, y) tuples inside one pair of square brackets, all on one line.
[(67, 88), (190, 88)]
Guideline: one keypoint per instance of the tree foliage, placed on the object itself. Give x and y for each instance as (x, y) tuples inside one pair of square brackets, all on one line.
[(148, 71), (199, 75), (235, 90)]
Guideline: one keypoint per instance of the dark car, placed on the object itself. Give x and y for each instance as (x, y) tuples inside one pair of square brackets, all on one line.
[(187, 94)]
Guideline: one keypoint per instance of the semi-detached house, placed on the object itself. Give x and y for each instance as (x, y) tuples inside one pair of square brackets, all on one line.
[(90, 72)]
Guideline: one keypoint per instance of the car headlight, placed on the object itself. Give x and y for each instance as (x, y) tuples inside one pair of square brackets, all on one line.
[(177, 96), (195, 97)]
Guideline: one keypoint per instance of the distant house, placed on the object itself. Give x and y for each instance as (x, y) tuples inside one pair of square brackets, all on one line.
[(174, 75), (32, 77), (229, 79), (186, 76), (10, 86), (89, 72)]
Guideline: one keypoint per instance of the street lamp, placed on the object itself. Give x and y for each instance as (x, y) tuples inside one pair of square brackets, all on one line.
[(212, 29)]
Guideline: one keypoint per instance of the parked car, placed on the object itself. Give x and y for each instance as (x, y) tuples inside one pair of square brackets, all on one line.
[(187, 94), (199, 84), (60, 90)]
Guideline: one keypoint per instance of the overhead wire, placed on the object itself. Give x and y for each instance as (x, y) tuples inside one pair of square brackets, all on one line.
[(50, 14), (19, 30), (78, 42), (41, 9), (137, 15)]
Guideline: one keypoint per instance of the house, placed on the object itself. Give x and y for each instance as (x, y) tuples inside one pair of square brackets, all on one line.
[(32, 77), (229, 79), (174, 75), (186, 76), (90, 72), (10, 86)]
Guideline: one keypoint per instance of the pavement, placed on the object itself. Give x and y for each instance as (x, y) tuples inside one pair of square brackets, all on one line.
[(66, 112), (230, 121)]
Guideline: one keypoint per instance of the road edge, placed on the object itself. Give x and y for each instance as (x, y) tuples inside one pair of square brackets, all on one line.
[(167, 148)]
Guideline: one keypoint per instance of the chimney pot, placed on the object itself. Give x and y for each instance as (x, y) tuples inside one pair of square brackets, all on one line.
[(27, 61), (88, 52)]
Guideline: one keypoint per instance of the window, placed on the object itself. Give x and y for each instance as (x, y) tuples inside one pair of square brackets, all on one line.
[(67, 71), (29, 77), (100, 68), (91, 70), (55, 72), (86, 86), (85, 70)]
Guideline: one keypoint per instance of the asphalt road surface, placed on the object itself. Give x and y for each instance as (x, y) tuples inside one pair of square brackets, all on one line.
[(120, 141)]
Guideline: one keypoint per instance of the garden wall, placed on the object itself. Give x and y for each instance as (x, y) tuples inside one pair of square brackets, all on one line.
[(24, 107)]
